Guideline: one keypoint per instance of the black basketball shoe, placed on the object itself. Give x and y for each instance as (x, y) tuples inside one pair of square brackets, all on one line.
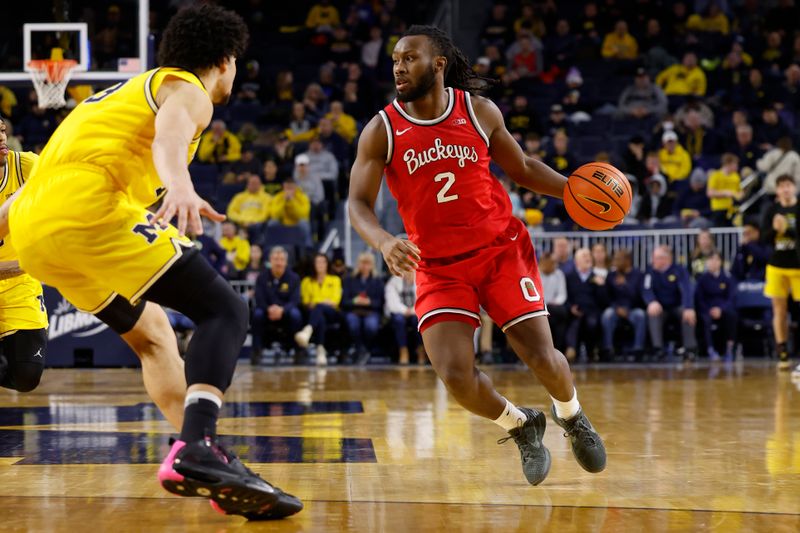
[(587, 446), (205, 469), (535, 456)]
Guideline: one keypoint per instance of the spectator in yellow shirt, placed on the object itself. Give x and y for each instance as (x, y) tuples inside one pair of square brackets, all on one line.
[(218, 145), (251, 207), (343, 124), (724, 186), (676, 164), (291, 207), (237, 248), (322, 16), (620, 44), (684, 79), (713, 21), (321, 294)]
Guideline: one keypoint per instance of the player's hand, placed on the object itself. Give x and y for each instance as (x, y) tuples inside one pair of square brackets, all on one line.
[(401, 256), (188, 206)]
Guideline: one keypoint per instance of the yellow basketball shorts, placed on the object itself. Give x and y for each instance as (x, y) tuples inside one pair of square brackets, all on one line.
[(780, 282), (75, 229), (21, 305)]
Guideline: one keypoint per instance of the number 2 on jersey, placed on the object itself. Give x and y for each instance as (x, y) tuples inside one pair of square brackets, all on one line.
[(442, 196)]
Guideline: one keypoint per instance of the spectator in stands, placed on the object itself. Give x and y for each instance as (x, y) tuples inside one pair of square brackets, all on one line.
[(774, 54), (620, 44), (554, 286), (310, 183), (277, 303), (789, 92), (521, 119), (300, 127), (353, 104), (745, 149), (674, 160), (712, 20), (750, 263), (272, 184), (321, 294), (771, 128), (624, 286), (315, 101), (724, 187), (322, 163), (362, 303), (634, 160), (250, 208), (218, 145), (215, 254), (715, 293), (667, 292), (560, 157), (255, 266), (692, 207), (371, 51), (283, 153), (562, 255), (703, 248), (525, 58), (696, 138), (497, 30), (400, 296), (586, 298), (323, 17), (600, 260), (284, 89), (343, 124), (655, 204), (558, 121), (642, 99), (683, 79), (779, 161), (560, 46), (333, 142), (291, 207), (342, 48), (237, 248), (241, 170)]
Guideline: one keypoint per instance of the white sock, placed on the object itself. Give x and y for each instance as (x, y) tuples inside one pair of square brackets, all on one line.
[(566, 410), (192, 397), (511, 417)]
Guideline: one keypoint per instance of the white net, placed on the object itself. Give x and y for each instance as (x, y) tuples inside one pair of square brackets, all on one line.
[(50, 79)]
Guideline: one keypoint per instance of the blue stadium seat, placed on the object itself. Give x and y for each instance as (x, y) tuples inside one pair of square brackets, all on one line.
[(225, 194), (285, 236), (204, 173), (708, 162), (242, 112)]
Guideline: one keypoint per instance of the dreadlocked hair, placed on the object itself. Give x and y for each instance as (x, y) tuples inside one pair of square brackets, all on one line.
[(458, 73)]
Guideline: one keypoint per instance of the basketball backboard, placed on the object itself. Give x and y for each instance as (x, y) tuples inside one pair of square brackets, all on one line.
[(109, 40)]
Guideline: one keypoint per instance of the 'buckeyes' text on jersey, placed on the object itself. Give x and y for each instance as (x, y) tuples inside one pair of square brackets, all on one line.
[(438, 170)]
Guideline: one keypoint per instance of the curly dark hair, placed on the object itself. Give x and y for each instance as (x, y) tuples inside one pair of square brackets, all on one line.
[(458, 73), (200, 38)]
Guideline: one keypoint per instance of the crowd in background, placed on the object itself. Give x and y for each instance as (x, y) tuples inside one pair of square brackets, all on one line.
[(697, 102)]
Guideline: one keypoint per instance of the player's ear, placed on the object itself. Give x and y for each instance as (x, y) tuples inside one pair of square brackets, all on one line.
[(439, 63)]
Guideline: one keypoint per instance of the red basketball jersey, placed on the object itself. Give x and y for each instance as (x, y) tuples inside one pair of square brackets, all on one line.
[(438, 170)]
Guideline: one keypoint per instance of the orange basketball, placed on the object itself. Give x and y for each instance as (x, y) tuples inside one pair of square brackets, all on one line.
[(597, 196)]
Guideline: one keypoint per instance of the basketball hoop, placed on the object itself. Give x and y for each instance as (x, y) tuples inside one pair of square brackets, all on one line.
[(50, 78)]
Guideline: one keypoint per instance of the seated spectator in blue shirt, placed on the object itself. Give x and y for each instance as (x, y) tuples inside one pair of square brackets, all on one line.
[(624, 289), (667, 292), (586, 297), (362, 302), (714, 294), (692, 206), (277, 313), (400, 296), (562, 254), (750, 263)]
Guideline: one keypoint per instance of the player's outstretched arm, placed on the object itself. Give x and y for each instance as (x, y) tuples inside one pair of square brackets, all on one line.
[(400, 255), (525, 171), (184, 109)]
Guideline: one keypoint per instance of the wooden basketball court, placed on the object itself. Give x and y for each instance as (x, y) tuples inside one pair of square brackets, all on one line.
[(690, 449)]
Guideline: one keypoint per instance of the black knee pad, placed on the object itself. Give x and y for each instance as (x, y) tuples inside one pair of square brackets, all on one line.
[(192, 287), (25, 353), (120, 315)]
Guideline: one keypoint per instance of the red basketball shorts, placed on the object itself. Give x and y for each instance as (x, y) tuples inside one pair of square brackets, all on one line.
[(502, 277)]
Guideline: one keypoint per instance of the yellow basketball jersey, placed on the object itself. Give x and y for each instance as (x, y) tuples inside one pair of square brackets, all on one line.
[(17, 170), (114, 130)]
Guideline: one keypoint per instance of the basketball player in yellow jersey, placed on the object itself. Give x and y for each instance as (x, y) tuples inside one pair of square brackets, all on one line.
[(23, 319), (81, 224)]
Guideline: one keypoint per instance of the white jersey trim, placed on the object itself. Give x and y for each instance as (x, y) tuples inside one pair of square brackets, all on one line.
[(451, 310), (522, 318), (5, 172), (474, 119), (450, 105), (389, 136)]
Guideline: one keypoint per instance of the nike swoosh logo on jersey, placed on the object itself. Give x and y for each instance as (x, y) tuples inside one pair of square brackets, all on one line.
[(606, 207), (399, 132), (514, 238)]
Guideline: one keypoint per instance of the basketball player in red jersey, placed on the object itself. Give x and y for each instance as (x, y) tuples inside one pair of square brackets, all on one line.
[(434, 143)]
